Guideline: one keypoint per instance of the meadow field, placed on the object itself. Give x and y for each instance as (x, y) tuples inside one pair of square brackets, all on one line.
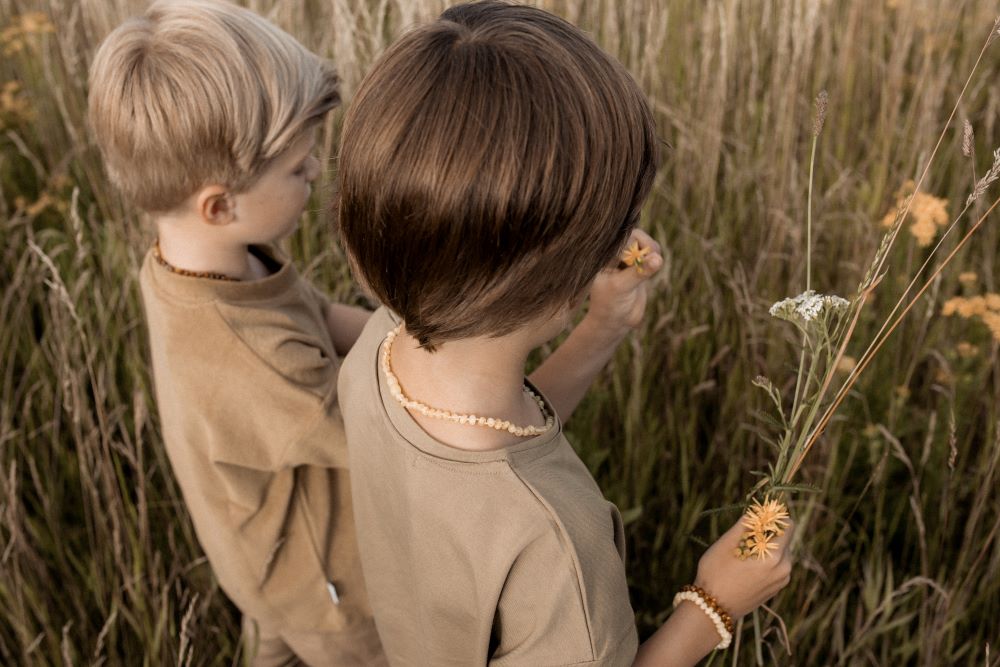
[(898, 542)]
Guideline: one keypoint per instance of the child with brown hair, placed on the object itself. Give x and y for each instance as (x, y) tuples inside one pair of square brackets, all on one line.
[(206, 116), (493, 166)]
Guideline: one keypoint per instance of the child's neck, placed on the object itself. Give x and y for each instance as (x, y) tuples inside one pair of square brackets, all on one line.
[(481, 376), (186, 246)]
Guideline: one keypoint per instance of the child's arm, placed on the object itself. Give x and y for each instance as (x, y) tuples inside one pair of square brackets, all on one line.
[(617, 305), (740, 586), (345, 324)]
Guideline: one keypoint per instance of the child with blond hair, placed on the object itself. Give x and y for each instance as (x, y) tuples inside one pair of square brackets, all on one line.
[(493, 166), (206, 115)]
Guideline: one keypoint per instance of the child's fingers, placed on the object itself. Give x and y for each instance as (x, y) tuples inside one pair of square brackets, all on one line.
[(652, 264), (644, 240), (783, 540), (641, 242), (731, 538), (629, 277)]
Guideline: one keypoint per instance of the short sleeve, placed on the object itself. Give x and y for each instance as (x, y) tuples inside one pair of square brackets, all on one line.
[(290, 342), (323, 443), (279, 407), (541, 618)]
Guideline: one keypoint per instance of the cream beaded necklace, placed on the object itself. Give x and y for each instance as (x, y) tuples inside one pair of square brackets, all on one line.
[(471, 420)]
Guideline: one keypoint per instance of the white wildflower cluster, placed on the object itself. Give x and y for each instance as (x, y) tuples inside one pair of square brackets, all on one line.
[(808, 307)]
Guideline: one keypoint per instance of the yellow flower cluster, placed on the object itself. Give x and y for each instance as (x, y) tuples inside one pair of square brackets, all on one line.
[(55, 196), (985, 307), (33, 209), (846, 364), (14, 106), (763, 522), (926, 214), (966, 350), (22, 29)]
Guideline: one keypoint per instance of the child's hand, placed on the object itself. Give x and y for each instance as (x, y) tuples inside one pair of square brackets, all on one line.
[(741, 586), (617, 303), (618, 295)]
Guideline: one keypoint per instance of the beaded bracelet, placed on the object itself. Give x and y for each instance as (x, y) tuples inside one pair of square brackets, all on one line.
[(713, 603), (720, 618)]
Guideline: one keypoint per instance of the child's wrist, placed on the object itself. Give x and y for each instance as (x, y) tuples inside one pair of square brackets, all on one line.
[(700, 636), (720, 618), (608, 330)]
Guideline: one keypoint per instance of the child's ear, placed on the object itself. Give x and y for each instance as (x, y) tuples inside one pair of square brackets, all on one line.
[(216, 205)]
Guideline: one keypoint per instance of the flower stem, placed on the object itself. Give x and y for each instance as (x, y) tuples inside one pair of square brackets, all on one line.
[(865, 293), (796, 399), (877, 344)]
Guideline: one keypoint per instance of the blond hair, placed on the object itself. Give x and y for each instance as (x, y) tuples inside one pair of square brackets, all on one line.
[(200, 92)]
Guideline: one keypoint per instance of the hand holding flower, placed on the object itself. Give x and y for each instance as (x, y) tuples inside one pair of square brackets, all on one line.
[(743, 585), (618, 295)]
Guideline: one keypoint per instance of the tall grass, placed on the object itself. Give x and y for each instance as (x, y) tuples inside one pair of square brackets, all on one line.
[(899, 550)]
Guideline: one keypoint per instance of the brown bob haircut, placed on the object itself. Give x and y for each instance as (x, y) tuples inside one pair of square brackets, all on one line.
[(492, 163)]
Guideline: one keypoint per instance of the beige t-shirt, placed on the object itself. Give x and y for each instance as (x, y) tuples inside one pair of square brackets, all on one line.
[(245, 376), (505, 557)]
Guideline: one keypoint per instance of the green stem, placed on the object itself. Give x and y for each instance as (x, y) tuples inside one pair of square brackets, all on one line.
[(809, 226), (795, 433), (796, 397)]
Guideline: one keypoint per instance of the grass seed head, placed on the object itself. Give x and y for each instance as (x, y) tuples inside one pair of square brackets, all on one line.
[(820, 118)]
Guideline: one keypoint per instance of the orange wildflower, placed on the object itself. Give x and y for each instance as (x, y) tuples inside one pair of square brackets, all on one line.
[(763, 522), (926, 213), (634, 255)]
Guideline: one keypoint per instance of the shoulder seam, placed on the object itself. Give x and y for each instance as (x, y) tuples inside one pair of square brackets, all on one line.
[(322, 398), (566, 544), (321, 401)]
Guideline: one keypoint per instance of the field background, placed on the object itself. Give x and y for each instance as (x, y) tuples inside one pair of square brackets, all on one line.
[(899, 556)]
